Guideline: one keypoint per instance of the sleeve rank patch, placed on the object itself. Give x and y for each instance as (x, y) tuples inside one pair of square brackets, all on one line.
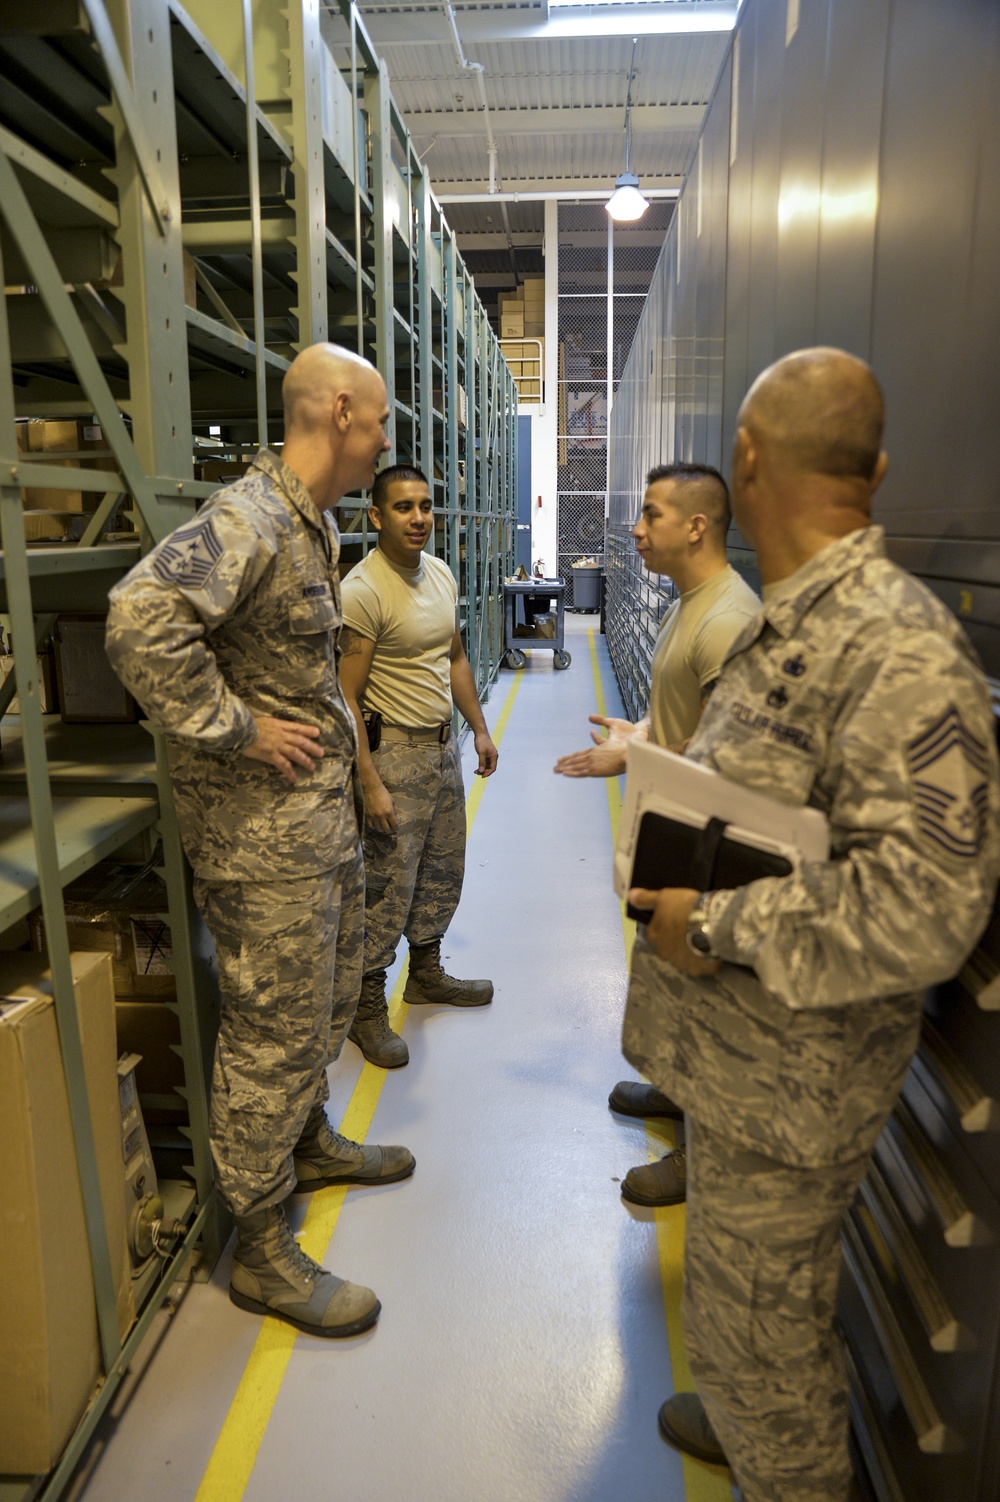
[(949, 768), (189, 557)]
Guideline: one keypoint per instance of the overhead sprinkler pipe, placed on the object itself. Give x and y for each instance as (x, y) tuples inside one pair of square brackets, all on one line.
[(476, 68)]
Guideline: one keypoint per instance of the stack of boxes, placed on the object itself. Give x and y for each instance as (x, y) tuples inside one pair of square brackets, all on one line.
[(120, 909), (522, 336), (77, 679), (51, 514), (533, 289), (512, 315), (50, 1358)]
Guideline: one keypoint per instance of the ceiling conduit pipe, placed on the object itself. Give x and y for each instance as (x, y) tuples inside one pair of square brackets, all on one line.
[(477, 69)]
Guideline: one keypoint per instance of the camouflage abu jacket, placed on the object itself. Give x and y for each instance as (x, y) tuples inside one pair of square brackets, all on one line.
[(234, 615), (857, 692)]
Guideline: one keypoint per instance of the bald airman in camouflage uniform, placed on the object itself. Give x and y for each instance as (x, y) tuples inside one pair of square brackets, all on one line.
[(226, 634), (783, 1015)]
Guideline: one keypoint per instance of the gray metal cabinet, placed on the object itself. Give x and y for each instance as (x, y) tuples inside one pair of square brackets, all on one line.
[(818, 228)]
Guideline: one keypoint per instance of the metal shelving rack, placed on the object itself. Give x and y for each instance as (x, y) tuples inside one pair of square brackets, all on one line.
[(187, 196)]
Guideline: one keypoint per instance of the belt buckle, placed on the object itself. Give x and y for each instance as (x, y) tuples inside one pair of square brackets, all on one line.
[(444, 733)]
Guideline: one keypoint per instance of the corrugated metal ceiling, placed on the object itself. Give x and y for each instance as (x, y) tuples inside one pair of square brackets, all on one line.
[(556, 106), (539, 161)]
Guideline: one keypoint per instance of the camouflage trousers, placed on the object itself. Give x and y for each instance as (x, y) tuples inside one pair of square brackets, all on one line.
[(414, 877), (289, 955), (762, 1258)]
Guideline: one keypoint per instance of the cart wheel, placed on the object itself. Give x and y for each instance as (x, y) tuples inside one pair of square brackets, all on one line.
[(516, 659), (561, 659)]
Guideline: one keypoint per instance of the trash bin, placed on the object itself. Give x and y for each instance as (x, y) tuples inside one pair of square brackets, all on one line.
[(586, 586)]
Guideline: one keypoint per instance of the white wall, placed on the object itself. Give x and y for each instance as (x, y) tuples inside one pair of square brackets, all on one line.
[(544, 449)]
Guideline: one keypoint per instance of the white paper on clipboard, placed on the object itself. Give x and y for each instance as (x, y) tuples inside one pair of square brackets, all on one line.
[(661, 782)]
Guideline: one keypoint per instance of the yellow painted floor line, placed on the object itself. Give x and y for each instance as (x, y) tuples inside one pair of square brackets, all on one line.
[(701, 1483), (235, 1453)]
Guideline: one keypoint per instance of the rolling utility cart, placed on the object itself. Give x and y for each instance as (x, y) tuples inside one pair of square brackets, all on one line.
[(547, 629)]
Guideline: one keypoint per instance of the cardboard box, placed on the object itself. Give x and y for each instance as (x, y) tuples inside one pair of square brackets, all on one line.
[(55, 498), (512, 323), (90, 693), (50, 1359), (190, 281), (120, 909), (151, 1029), (69, 437), (545, 627), (50, 438), (47, 526), (225, 471)]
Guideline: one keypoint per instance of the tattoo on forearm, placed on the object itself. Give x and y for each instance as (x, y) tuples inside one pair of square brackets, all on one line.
[(351, 642)]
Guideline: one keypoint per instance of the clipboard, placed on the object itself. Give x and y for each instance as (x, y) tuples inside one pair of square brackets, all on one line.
[(684, 825)]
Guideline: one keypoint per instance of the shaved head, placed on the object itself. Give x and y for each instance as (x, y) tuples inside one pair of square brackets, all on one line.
[(317, 376), (336, 419), (696, 489), (821, 410)]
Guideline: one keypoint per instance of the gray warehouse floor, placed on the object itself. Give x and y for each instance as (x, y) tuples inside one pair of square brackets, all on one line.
[(529, 1317)]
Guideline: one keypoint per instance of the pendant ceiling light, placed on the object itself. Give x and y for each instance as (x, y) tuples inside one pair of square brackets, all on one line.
[(626, 203)]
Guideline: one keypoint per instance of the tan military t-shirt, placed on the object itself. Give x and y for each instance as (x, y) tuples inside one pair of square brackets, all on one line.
[(409, 613), (695, 636)]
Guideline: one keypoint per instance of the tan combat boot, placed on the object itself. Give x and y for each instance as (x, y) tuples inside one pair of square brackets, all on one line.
[(323, 1157), (427, 981), (662, 1183), (271, 1274), (685, 1425), (370, 1029)]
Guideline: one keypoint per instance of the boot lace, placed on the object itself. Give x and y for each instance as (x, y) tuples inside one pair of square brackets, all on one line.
[(334, 1143), (299, 1260)]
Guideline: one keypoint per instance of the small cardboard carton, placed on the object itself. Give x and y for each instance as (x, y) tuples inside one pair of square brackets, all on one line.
[(120, 908), (50, 1360)]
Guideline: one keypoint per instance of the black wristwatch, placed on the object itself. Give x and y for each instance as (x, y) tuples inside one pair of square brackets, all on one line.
[(697, 931)]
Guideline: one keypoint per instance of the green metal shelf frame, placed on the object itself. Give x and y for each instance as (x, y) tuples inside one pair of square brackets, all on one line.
[(309, 216)]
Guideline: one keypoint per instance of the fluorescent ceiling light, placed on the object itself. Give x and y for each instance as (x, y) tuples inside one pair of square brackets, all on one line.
[(568, 18), (626, 203)]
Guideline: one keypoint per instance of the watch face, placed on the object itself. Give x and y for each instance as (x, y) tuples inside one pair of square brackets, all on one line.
[(698, 940)]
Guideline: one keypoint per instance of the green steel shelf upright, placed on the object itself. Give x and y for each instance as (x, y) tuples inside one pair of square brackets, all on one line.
[(453, 408)]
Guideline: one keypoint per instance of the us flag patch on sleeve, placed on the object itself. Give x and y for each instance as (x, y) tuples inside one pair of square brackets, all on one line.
[(949, 770), (189, 557)]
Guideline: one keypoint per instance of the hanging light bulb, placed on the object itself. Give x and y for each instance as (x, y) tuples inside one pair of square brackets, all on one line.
[(626, 203)]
